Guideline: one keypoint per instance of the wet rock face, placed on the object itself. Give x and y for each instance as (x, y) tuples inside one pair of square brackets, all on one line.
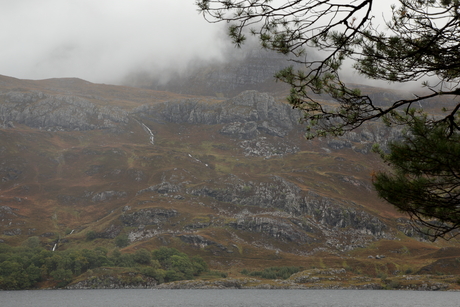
[(240, 130), (162, 188), (107, 195), (252, 105), (362, 139), (307, 211), (244, 116), (58, 112), (6, 211), (279, 193), (9, 222), (247, 116), (151, 216), (261, 147), (12, 232), (330, 212), (251, 116), (279, 229)]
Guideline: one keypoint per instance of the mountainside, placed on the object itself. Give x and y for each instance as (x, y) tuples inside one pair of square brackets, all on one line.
[(248, 68), (232, 180)]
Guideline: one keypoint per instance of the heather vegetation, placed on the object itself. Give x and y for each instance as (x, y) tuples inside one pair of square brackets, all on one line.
[(25, 267)]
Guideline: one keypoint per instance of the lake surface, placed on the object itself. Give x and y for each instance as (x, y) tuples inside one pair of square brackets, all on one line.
[(227, 298)]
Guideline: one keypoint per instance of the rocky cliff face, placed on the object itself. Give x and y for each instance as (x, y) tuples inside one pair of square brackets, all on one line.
[(244, 116), (247, 116), (57, 112), (300, 216)]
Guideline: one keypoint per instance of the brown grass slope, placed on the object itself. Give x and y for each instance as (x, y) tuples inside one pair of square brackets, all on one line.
[(195, 189)]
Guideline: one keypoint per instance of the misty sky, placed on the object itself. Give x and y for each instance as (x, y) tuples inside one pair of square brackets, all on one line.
[(103, 40)]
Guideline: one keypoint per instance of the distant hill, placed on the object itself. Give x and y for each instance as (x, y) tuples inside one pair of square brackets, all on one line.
[(230, 179), (247, 69)]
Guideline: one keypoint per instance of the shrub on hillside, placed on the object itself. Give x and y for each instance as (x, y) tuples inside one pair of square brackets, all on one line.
[(122, 241)]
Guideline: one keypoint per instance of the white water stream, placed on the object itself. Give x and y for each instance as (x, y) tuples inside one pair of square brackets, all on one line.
[(149, 131)]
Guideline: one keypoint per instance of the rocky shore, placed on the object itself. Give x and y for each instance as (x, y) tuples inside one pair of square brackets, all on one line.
[(331, 279), (250, 283)]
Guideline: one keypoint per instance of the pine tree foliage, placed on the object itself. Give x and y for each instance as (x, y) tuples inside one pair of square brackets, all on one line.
[(425, 181), (419, 42)]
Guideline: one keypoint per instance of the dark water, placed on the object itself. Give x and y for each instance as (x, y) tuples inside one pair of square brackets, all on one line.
[(227, 298)]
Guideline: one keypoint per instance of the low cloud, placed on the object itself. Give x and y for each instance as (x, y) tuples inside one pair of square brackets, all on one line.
[(104, 40), (114, 41)]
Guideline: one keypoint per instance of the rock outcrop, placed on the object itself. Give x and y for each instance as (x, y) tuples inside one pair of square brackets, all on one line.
[(244, 116), (281, 229), (58, 112), (118, 281), (151, 216), (247, 116), (303, 216)]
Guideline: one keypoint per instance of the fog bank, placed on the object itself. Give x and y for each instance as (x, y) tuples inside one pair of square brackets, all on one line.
[(103, 40)]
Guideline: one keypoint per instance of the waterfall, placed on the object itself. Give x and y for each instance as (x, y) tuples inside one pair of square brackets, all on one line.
[(149, 131)]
